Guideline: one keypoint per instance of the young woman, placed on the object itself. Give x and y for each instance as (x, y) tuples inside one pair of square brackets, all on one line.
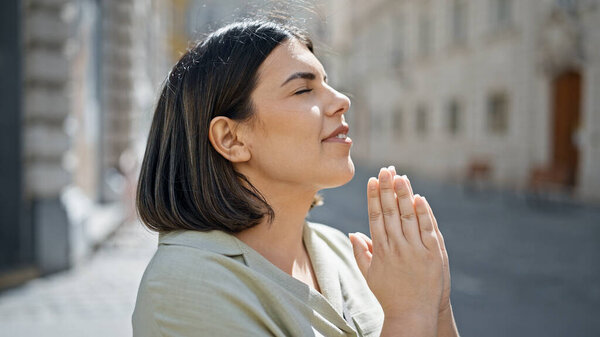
[(246, 131)]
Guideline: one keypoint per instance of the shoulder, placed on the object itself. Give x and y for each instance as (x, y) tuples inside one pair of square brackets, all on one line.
[(186, 256), (177, 265), (191, 286), (194, 264)]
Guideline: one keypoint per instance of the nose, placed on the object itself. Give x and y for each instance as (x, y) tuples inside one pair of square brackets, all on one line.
[(339, 103)]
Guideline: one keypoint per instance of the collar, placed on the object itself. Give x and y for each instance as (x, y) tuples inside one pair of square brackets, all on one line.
[(330, 302), (214, 241), (226, 244)]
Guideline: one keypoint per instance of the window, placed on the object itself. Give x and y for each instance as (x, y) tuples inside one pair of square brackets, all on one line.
[(459, 22), (454, 118), (501, 13), (497, 114), (421, 120), (424, 35)]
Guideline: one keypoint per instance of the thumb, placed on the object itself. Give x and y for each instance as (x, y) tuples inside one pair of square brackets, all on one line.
[(361, 253)]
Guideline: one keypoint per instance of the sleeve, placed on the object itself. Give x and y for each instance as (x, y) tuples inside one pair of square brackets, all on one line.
[(176, 300)]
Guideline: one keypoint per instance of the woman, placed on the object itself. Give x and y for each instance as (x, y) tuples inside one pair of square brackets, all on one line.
[(246, 131)]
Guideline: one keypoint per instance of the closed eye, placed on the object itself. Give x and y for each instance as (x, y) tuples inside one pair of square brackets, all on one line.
[(300, 92)]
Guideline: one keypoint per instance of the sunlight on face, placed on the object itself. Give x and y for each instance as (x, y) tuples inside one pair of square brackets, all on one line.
[(296, 113)]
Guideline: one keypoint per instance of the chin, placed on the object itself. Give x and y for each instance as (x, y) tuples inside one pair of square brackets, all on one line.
[(343, 174)]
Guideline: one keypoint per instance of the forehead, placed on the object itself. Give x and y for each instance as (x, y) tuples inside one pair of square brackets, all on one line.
[(289, 57)]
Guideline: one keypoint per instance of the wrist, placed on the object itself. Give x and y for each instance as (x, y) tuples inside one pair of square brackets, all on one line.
[(446, 312), (424, 314), (410, 324), (446, 323)]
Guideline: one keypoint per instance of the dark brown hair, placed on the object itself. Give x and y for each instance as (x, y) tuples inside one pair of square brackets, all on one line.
[(184, 182)]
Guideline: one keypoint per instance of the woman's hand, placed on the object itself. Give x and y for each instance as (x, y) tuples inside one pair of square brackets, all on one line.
[(406, 265)]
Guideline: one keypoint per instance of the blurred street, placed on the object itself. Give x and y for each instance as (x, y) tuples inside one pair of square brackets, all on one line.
[(518, 269), (96, 298)]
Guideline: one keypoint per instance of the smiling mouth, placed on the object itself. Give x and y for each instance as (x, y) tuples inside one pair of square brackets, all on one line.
[(340, 133), (338, 138)]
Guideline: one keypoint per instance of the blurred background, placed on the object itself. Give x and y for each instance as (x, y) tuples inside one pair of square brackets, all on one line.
[(492, 107)]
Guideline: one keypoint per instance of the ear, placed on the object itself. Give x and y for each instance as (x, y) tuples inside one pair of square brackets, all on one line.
[(224, 135)]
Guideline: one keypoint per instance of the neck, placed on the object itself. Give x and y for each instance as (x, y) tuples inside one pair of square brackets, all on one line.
[(280, 241)]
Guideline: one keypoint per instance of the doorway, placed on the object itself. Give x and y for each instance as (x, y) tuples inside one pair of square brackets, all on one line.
[(566, 129)]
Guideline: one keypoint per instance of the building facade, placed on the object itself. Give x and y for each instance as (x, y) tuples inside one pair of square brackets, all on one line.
[(453, 89), (80, 81)]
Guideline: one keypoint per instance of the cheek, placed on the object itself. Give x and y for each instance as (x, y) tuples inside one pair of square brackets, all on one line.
[(291, 143), (296, 144), (295, 129)]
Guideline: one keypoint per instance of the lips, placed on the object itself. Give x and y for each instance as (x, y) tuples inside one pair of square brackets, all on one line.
[(343, 129)]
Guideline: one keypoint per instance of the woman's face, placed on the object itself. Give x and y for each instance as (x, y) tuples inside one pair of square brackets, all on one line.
[(297, 136)]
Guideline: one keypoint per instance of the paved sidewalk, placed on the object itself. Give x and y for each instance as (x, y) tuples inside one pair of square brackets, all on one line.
[(94, 299)]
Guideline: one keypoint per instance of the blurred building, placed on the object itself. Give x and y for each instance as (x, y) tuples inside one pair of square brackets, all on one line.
[(81, 78), (198, 18), (79, 81), (502, 90)]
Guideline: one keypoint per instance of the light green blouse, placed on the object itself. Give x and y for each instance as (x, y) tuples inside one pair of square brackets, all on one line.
[(213, 284)]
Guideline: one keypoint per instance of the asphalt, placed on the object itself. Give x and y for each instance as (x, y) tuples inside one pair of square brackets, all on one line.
[(521, 266)]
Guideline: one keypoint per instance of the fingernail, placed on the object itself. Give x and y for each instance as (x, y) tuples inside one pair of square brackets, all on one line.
[(397, 183), (372, 184), (419, 205)]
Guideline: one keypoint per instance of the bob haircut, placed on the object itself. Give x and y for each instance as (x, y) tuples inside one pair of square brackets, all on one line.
[(184, 182)]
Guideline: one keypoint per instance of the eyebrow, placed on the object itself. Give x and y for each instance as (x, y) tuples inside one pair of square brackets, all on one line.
[(303, 75)]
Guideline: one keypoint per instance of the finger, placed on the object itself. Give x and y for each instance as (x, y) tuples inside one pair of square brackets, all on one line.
[(389, 208), (437, 231), (367, 240), (410, 225), (409, 185), (428, 235), (392, 170), (361, 253), (375, 217)]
